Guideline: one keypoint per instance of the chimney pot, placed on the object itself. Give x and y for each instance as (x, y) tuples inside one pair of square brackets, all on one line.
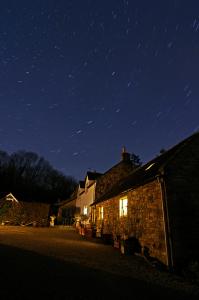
[(125, 155)]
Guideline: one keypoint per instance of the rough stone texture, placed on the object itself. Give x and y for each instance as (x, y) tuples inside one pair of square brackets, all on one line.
[(35, 212), (10, 212), (182, 189), (144, 220), (106, 182), (164, 214), (24, 213)]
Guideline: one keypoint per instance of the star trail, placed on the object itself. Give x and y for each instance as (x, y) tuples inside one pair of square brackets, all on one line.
[(82, 79)]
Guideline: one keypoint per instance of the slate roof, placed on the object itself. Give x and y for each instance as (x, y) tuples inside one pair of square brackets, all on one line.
[(9, 197), (82, 184), (70, 199), (93, 175), (4, 194), (122, 162), (148, 171)]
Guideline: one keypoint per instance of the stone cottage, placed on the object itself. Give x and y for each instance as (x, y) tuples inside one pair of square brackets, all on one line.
[(108, 180), (94, 186), (156, 206), (114, 174), (15, 212)]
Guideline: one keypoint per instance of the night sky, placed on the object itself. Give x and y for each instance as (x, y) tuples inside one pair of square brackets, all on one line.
[(81, 79)]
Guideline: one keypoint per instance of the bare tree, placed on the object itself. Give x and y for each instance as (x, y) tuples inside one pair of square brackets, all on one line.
[(33, 178)]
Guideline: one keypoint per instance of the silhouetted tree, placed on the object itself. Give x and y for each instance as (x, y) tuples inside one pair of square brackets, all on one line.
[(31, 177), (162, 151), (136, 160)]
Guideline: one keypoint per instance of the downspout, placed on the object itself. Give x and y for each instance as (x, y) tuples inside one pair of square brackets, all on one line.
[(168, 241)]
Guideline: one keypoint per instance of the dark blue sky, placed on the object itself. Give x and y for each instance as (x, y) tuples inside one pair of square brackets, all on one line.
[(82, 78)]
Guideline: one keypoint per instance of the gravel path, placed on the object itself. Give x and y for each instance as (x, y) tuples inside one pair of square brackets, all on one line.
[(94, 260)]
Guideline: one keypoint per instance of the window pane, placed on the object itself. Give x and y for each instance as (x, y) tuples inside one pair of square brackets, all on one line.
[(101, 212), (123, 205), (85, 210), (121, 211)]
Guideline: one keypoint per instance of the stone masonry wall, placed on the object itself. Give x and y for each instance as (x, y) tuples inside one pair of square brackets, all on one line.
[(25, 213), (182, 186), (109, 179), (144, 221)]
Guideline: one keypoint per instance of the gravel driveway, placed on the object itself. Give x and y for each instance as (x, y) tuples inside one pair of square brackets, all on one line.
[(74, 268)]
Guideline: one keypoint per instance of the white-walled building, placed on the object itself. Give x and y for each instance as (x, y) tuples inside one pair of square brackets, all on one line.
[(86, 195)]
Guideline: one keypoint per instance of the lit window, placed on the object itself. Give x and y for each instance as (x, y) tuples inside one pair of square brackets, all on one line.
[(150, 166), (93, 215), (85, 210), (101, 212), (123, 207)]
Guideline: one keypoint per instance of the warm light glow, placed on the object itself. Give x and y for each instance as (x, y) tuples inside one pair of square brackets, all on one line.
[(101, 212), (149, 167), (93, 215), (123, 207), (85, 211), (52, 220), (10, 197)]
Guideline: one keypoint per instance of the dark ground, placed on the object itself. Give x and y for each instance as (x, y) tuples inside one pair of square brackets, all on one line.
[(29, 275)]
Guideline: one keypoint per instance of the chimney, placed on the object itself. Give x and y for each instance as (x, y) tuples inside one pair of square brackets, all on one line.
[(125, 155)]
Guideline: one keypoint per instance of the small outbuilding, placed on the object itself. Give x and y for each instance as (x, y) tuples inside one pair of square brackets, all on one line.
[(15, 212)]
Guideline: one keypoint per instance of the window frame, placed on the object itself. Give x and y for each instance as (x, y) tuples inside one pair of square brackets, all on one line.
[(85, 210), (101, 213), (123, 206)]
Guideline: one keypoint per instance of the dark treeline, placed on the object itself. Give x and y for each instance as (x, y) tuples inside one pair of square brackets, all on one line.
[(31, 178)]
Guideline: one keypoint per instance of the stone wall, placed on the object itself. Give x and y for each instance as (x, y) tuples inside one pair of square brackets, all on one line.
[(35, 212), (182, 188), (144, 221), (11, 212), (24, 213), (106, 182)]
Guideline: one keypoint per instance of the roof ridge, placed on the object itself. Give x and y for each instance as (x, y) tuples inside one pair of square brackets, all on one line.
[(147, 171)]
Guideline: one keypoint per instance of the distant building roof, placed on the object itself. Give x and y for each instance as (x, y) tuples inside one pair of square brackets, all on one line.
[(93, 175), (8, 197), (146, 172), (82, 184)]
